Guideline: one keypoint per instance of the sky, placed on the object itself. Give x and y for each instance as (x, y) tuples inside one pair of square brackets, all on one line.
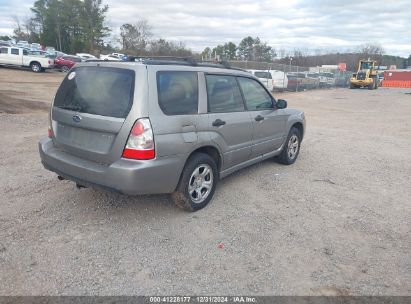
[(287, 24)]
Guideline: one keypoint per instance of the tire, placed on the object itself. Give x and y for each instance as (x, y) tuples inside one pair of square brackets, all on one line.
[(291, 148), (35, 67), (199, 178), (372, 85), (65, 69), (353, 86)]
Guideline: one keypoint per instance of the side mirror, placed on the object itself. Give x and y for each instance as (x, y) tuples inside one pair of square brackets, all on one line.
[(281, 104)]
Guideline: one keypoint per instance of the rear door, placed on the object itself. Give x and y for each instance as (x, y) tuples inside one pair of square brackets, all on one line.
[(268, 121), (229, 123), (89, 110), (173, 107)]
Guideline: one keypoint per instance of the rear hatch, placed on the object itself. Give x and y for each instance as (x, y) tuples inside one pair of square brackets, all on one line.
[(89, 110)]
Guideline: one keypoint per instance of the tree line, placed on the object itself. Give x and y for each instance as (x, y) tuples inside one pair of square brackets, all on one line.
[(252, 49), (69, 25), (249, 48), (80, 26)]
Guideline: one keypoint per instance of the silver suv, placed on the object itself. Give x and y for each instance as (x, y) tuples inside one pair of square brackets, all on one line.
[(159, 126)]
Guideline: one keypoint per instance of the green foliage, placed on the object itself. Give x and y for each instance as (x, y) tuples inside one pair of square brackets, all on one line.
[(70, 25), (206, 54), (245, 48), (254, 49), (227, 51)]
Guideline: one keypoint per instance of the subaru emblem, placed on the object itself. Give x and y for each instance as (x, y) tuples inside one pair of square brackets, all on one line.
[(76, 118)]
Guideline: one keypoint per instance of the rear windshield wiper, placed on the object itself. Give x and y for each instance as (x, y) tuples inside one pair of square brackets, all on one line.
[(71, 107)]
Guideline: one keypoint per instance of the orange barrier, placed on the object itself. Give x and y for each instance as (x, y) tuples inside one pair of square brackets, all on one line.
[(396, 83)]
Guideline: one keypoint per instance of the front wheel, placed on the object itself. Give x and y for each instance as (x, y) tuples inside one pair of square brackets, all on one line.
[(35, 67), (291, 148), (197, 184)]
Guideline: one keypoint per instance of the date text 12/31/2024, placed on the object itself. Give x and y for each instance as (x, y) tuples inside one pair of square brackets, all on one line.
[(202, 299)]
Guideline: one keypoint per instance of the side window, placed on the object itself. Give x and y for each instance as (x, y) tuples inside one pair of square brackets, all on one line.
[(223, 93), (256, 97), (25, 52), (14, 51), (4, 51), (178, 92)]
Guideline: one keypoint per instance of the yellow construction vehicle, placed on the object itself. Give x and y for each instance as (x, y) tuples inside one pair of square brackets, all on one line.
[(366, 75)]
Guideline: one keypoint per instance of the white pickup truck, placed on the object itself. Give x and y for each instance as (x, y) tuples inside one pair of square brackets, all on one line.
[(112, 57), (14, 56)]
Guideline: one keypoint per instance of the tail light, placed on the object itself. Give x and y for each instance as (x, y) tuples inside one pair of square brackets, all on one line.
[(140, 143), (50, 132)]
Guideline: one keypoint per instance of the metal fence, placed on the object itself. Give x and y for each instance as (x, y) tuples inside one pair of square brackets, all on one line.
[(294, 78)]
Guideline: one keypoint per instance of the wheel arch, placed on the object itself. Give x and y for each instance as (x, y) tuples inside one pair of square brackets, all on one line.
[(212, 151), (299, 126), (34, 61)]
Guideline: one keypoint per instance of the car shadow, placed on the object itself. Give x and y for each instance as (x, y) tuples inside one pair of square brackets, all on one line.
[(160, 204)]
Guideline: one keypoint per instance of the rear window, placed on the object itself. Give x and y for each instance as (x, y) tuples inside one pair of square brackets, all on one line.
[(97, 90), (178, 92), (265, 75)]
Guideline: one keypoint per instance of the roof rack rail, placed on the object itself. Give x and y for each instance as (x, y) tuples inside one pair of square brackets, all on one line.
[(215, 62), (189, 60), (173, 60)]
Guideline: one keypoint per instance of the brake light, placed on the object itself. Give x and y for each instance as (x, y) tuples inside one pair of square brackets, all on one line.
[(140, 143), (50, 132)]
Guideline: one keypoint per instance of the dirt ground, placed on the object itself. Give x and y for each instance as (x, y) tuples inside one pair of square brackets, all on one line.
[(337, 222)]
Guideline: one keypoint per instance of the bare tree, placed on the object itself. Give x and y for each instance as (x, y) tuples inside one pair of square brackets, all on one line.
[(373, 50), (135, 37), (19, 32)]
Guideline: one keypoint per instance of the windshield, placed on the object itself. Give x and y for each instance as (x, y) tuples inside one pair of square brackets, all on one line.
[(366, 65), (97, 90)]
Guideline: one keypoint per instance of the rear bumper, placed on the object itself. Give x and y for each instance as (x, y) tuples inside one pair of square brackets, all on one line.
[(126, 176)]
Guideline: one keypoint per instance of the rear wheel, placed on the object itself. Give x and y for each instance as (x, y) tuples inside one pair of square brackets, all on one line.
[(197, 183), (35, 67), (292, 147)]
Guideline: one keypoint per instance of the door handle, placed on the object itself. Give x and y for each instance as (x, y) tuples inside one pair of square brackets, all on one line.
[(259, 118), (218, 122)]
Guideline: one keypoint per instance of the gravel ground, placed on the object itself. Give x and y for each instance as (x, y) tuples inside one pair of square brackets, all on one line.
[(337, 222)]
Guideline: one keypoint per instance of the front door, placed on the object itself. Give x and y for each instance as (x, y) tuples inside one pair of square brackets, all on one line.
[(268, 121)]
